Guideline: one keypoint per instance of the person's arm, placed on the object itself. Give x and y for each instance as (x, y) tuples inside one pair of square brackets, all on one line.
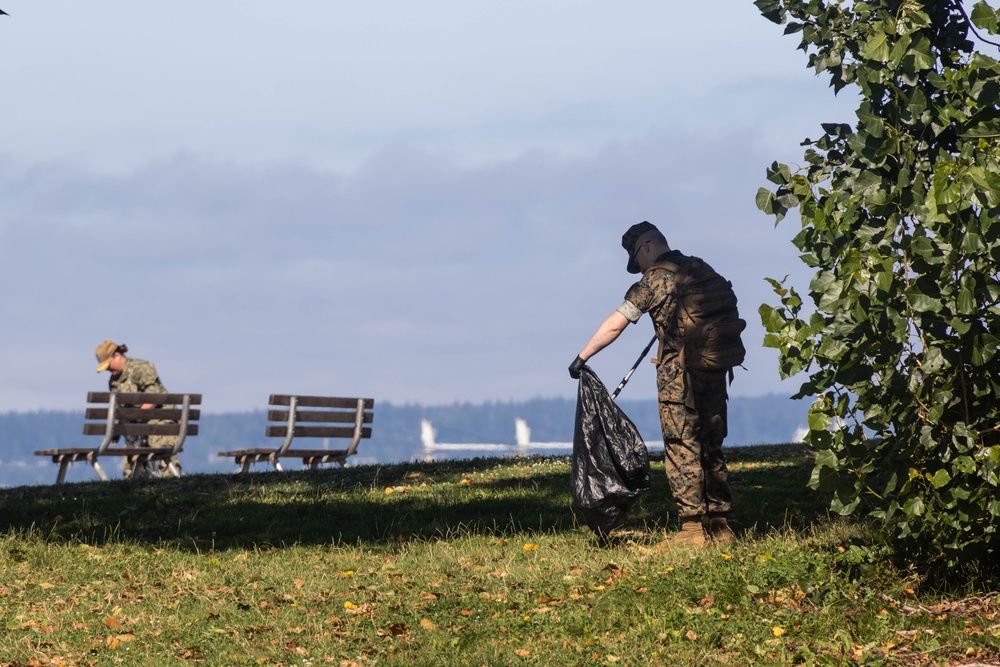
[(606, 334), (148, 380)]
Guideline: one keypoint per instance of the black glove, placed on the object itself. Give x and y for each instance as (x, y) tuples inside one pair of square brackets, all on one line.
[(576, 367)]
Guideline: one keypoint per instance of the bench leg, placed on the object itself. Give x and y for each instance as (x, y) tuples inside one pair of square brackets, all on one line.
[(277, 466), (99, 470), (61, 477), (245, 468), (173, 469)]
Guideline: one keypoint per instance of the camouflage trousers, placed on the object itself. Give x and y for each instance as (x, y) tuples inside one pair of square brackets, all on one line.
[(692, 439), (153, 468)]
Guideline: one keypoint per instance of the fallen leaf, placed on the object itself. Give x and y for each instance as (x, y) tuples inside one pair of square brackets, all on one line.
[(777, 631), (692, 635), (399, 630), (112, 623), (299, 583), (523, 652), (530, 547), (427, 624)]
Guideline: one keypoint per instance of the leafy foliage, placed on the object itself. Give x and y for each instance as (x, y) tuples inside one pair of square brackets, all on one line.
[(900, 221)]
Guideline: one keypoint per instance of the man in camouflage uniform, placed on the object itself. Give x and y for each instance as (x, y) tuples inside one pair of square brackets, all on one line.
[(692, 402), (135, 375)]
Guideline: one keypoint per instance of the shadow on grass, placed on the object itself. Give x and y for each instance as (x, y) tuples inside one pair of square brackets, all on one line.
[(350, 506)]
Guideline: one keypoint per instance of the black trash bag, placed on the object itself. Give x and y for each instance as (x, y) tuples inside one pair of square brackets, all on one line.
[(610, 461)]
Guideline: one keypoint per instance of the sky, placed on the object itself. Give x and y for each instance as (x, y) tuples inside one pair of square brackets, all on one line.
[(417, 202)]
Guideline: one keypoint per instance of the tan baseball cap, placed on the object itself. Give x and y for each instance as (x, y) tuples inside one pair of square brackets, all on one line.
[(104, 352)]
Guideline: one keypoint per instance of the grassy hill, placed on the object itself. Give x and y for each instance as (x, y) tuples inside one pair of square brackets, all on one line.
[(395, 436), (479, 562)]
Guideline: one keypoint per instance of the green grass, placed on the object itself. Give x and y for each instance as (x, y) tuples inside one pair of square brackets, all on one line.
[(458, 563)]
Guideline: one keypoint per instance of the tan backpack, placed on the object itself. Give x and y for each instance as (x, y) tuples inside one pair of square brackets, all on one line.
[(708, 321)]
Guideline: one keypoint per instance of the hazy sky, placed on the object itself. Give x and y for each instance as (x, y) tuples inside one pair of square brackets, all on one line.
[(415, 201)]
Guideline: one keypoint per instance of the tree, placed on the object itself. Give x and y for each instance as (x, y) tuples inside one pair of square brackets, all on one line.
[(900, 221)]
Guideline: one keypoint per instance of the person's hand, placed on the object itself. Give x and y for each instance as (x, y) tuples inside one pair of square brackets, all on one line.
[(576, 367)]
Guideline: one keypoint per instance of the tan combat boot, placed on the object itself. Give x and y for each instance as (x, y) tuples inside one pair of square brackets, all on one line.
[(691, 535), (718, 528)]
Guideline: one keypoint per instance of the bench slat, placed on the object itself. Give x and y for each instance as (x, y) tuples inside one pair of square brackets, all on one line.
[(82, 453), (321, 401), (258, 455), (318, 416), (140, 398), (174, 414), (318, 432), (139, 429)]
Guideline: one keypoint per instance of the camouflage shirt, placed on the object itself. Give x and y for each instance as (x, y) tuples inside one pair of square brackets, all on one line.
[(137, 376), (654, 294)]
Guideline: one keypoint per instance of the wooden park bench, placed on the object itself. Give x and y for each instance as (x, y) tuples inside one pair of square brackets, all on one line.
[(324, 417), (115, 415)]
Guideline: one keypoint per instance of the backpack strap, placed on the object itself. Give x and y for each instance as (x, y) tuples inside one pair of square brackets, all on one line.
[(681, 277)]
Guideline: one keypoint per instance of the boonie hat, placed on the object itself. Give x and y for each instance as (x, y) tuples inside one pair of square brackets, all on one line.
[(104, 352), (628, 242)]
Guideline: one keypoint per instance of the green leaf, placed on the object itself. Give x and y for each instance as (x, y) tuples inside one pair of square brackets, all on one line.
[(966, 302), (779, 174), (914, 506), (819, 421), (771, 318), (940, 478), (771, 10), (923, 303), (984, 17), (824, 475), (984, 349), (877, 47), (768, 204), (923, 58)]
